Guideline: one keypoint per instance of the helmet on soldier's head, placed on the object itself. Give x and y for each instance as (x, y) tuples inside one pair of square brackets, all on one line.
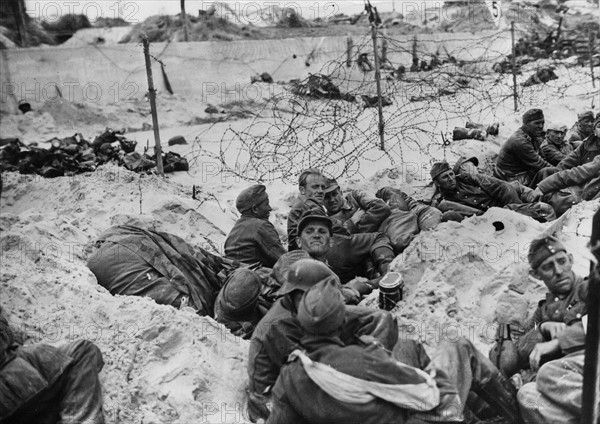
[(304, 274)]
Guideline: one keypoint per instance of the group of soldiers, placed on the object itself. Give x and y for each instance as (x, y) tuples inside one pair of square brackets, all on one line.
[(315, 356)]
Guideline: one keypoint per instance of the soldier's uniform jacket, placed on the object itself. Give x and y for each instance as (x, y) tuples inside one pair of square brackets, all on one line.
[(586, 152), (520, 157), (568, 310), (575, 134), (279, 331), (586, 176), (555, 153), (482, 192), (254, 240), (376, 212)]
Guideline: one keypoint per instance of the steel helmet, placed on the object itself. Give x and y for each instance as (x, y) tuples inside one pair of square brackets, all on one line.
[(304, 274)]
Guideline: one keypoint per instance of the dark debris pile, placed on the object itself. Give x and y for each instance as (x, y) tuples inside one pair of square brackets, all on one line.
[(75, 155)]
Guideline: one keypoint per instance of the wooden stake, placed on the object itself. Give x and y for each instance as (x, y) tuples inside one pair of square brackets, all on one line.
[(514, 63), (184, 19), (349, 44), (591, 55), (152, 97), (378, 83)]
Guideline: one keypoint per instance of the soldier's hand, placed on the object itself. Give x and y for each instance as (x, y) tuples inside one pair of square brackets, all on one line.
[(536, 195), (257, 406), (350, 295), (551, 329), (358, 215), (540, 350), (361, 285)]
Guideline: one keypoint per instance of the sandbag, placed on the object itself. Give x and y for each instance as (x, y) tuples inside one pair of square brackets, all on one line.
[(401, 227)]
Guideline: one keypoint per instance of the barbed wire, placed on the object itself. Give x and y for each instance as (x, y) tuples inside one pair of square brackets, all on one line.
[(307, 126)]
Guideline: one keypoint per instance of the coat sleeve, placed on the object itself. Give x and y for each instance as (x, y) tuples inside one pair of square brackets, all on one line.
[(572, 338), (531, 337), (572, 159), (376, 211), (578, 175), (269, 244), (496, 188), (530, 157), (552, 154)]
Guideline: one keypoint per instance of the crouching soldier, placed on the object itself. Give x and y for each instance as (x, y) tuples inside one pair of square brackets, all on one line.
[(253, 239), (239, 305), (349, 256), (44, 384), (328, 380), (279, 331)]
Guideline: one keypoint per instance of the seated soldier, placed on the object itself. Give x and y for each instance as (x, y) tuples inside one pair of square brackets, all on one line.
[(428, 217), (548, 334), (327, 380), (472, 194), (349, 256), (587, 150), (582, 128), (355, 211), (583, 180), (253, 239), (556, 396), (45, 384), (311, 184), (555, 148), (279, 331), (239, 305), (520, 157)]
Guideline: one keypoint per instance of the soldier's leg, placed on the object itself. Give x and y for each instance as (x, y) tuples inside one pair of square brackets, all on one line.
[(81, 394)]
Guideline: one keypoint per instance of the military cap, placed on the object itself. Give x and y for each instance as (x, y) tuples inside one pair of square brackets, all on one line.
[(439, 168), (314, 215), (330, 185), (555, 126), (251, 196), (461, 160), (532, 115), (588, 114), (542, 248), (321, 309)]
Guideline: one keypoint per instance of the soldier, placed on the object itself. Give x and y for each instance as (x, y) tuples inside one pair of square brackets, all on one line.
[(587, 150), (347, 255), (355, 211), (279, 330), (547, 334), (46, 384), (253, 239), (583, 128), (239, 305), (327, 380), (311, 184), (555, 148), (520, 157), (472, 194)]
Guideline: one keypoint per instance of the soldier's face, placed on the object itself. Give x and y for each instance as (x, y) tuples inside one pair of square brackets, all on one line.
[(315, 239), (556, 273), (263, 209), (333, 201), (314, 188), (555, 137), (535, 128), (597, 130), (446, 181), (586, 126)]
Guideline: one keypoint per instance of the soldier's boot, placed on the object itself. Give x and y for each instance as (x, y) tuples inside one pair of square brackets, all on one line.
[(501, 394)]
